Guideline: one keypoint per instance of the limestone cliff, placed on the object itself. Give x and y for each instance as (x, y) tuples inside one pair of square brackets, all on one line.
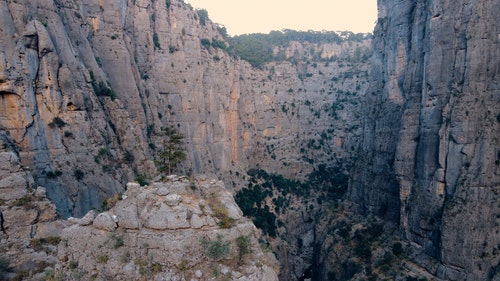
[(430, 157), (86, 88), (176, 230)]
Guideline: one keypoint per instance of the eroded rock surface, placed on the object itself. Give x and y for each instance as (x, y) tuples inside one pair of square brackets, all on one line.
[(173, 231), (430, 158)]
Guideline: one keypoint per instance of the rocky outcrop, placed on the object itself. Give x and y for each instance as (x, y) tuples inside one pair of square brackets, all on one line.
[(176, 230), (429, 159), (180, 230), (87, 87)]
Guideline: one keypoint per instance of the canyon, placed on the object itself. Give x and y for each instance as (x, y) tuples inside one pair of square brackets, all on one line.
[(409, 117)]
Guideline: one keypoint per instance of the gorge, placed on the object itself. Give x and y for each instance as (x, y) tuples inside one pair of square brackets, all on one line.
[(364, 152)]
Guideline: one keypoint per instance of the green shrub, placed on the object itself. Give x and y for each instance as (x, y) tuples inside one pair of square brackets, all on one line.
[(102, 259), (397, 249), (57, 122), (205, 42), (218, 44), (203, 16), (156, 40), (244, 245), (129, 157), (117, 241), (217, 249), (226, 222), (39, 243), (141, 179), (73, 264), (79, 174), (156, 267)]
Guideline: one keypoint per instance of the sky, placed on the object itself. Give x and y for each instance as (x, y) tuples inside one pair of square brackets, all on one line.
[(262, 16)]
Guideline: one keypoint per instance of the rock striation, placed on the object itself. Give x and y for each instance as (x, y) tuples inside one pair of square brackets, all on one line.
[(27, 218), (429, 158)]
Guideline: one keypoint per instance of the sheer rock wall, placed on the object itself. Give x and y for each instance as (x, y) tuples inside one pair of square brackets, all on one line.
[(429, 158)]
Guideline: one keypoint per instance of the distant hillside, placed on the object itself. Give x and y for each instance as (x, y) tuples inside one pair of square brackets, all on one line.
[(259, 48)]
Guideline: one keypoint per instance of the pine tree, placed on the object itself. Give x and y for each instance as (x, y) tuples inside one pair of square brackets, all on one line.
[(172, 153)]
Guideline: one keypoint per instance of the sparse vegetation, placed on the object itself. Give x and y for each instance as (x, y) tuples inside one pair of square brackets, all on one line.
[(79, 174), (217, 249), (156, 41), (38, 244), (26, 202), (141, 179), (102, 258), (117, 241), (244, 245), (53, 174), (57, 122), (110, 202), (220, 212)]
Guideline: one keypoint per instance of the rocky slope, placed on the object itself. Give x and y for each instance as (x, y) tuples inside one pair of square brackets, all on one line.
[(430, 157)]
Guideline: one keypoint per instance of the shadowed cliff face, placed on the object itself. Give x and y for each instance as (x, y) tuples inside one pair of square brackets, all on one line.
[(430, 145)]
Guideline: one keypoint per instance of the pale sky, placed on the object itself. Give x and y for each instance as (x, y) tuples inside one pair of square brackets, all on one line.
[(254, 16)]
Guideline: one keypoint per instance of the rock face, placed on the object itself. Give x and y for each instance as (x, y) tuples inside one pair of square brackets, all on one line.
[(87, 87), (28, 227), (429, 159)]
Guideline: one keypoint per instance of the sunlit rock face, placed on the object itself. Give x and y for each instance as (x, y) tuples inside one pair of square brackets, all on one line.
[(429, 157)]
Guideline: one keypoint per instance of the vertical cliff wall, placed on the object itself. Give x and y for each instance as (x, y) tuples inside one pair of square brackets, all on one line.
[(430, 158), (87, 86)]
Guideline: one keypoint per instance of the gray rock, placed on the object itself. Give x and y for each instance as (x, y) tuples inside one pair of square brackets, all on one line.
[(127, 215), (427, 161), (86, 220), (104, 221), (196, 222), (173, 199)]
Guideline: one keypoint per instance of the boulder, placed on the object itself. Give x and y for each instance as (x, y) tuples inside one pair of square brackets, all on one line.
[(105, 221)]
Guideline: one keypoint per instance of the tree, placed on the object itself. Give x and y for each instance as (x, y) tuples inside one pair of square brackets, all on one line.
[(172, 153)]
